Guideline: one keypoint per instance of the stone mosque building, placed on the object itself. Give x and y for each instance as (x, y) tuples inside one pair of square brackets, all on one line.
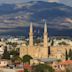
[(35, 51), (41, 51)]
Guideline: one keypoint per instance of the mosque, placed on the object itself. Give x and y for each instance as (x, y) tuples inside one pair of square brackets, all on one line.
[(35, 51), (42, 51)]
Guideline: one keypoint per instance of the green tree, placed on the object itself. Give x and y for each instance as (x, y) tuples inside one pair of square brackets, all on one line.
[(43, 68), (49, 52), (66, 55), (14, 44), (62, 43), (26, 58), (26, 70), (14, 55), (6, 54), (52, 43), (67, 70), (70, 54)]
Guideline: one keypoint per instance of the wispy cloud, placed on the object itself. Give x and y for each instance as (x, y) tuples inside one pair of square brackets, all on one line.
[(53, 0)]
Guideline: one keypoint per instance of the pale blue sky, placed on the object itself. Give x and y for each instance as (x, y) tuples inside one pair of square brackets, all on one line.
[(67, 2)]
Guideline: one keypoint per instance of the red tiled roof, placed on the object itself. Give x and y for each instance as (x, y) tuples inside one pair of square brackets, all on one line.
[(27, 66), (20, 71), (66, 62)]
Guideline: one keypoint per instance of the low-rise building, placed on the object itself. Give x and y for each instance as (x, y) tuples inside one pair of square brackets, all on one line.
[(3, 63)]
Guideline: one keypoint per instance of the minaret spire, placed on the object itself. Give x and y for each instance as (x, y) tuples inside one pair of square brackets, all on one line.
[(45, 36), (31, 36), (45, 28)]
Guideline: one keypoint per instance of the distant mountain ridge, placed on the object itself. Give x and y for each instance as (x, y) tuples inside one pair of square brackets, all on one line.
[(58, 16)]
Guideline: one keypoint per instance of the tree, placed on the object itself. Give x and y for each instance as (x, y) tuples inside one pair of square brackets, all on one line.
[(52, 43), (26, 58), (6, 54), (66, 55), (70, 54), (49, 52), (26, 70), (62, 43), (43, 68), (69, 68), (14, 44), (14, 54)]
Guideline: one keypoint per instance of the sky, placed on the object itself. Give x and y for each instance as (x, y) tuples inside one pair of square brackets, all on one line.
[(67, 2)]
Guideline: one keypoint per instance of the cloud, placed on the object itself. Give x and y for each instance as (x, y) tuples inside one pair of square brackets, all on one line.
[(12, 1), (68, 20), (53, 0)]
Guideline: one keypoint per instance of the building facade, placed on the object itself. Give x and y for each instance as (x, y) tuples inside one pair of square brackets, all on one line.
[(42, 51), (35, 51)]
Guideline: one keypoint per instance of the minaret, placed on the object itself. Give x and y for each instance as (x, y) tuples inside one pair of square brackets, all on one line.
[(31, 36), (45, 36)]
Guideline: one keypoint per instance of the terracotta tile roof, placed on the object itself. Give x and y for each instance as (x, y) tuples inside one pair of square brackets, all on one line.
[(20, 71), (27, 66), (66, 62)]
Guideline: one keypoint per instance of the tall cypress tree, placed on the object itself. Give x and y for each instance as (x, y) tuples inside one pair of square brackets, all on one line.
[(52, 43), (49, 52), (66, 55), (70, 54)]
